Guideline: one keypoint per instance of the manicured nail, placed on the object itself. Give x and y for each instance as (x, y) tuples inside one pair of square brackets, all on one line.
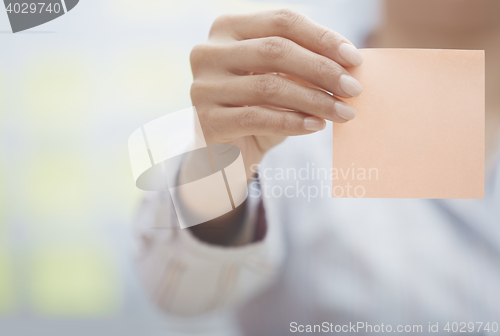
[(350, 54), (344, 111), (350, 86), (313, 124)]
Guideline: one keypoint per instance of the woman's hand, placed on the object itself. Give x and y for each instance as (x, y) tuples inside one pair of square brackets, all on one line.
[(264, 76)]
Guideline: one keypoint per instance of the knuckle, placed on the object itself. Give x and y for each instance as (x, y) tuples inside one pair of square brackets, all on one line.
[(201, 91), (203, 55), (198, 53), (327, 39), (268, 86), (196, 90), (250, 119), (323, 37), (285, 18), (274, 48), (323, 67), (220, 23), (321, 104), (282, 124)]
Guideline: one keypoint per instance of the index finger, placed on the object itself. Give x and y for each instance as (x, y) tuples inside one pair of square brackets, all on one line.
[(293, 26)]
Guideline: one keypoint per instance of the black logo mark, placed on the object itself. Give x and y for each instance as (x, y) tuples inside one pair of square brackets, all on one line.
[(26, 14)]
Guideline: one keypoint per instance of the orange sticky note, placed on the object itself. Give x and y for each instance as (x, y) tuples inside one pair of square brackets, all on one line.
[(419, 130)]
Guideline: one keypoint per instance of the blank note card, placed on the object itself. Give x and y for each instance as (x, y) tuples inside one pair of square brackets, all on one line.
[(419, 131)]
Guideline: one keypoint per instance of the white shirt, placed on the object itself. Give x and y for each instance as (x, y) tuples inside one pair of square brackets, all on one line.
[(391, 261)]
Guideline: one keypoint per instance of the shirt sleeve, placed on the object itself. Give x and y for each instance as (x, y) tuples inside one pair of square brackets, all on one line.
[(186, 276)]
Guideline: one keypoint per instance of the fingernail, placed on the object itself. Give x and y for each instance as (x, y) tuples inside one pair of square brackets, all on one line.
[(350, 54), (313, 124), (350, 86), (344, 111)]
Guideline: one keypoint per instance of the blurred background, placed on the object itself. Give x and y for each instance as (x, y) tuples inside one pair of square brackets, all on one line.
[(71, 92)]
